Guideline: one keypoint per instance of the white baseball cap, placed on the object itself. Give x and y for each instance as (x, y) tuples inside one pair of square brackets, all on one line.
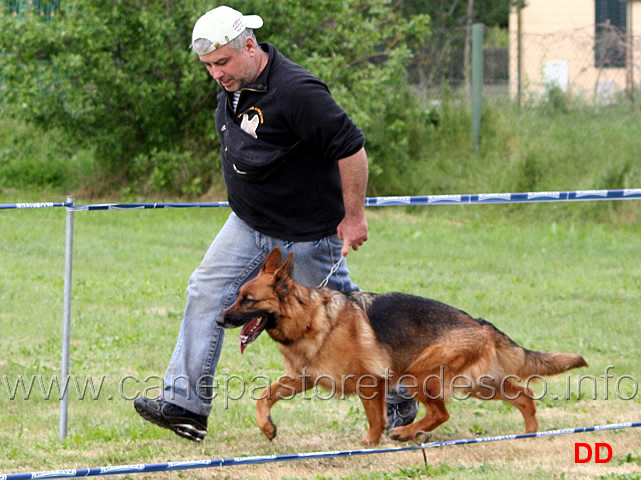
[(221, 25)]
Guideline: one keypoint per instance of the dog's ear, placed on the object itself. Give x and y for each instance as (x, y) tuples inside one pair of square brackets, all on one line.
[(272, 262), (283, 278), (286, 270)]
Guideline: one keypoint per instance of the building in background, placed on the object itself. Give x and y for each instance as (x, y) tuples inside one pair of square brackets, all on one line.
[(588, 48)]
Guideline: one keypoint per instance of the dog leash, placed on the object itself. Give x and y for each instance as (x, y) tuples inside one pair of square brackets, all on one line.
[(332, 271)]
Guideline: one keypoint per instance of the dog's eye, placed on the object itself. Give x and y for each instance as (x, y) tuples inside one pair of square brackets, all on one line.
[(247, 300)]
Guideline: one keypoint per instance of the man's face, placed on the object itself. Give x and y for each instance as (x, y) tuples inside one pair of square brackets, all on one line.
[(230, 68)]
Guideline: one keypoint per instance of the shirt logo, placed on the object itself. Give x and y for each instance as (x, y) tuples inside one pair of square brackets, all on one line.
[(250, 126)]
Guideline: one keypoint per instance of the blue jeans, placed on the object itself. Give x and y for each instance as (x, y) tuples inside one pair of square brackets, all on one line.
[(234, 257)]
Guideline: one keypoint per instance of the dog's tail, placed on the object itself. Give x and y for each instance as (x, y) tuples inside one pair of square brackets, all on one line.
[(546, 363), (525, 363)]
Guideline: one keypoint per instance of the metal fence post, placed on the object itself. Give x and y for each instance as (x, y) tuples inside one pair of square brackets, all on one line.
[(66, 319), (477, 82), (519, 53)]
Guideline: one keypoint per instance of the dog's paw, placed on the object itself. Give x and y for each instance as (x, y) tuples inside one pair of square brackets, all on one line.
[(401, 434), (269, 428), (369, 442)]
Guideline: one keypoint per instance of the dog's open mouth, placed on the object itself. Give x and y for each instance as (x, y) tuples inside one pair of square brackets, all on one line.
[(250, 332)]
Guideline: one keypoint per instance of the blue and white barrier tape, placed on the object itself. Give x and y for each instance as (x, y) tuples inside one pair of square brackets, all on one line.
[(196, 464), (491, 198), (464, 199), (18, 206)]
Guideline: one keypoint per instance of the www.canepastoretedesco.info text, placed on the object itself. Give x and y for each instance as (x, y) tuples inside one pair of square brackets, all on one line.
[(232, 387)]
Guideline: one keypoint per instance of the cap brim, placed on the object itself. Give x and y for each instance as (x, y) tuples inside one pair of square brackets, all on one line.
[(253, 21)]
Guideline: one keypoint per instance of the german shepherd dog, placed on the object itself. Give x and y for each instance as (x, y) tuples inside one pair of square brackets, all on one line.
[(365, 343)]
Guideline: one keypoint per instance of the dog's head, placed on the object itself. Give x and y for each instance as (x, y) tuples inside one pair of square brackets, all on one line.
[(259, 303)]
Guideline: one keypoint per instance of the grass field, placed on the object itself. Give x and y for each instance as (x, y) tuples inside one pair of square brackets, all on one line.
[(548, 275)]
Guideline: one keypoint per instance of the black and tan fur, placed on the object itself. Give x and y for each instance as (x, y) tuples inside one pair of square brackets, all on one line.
[(364, 342)]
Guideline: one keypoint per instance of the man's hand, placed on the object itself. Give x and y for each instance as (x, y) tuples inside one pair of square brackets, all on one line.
[(353, 228), (353, 232)]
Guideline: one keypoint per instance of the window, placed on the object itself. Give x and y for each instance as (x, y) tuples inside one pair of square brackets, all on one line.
[(610, 44)]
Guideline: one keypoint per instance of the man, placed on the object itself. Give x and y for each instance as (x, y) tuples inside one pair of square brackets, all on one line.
[(296, 171)]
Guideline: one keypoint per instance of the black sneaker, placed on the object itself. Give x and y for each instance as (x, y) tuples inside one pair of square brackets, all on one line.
[(173, 417), (401, 414)]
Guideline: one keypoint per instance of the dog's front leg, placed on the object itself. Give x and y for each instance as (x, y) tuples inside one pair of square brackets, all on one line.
[(372, 394), (286, 386)]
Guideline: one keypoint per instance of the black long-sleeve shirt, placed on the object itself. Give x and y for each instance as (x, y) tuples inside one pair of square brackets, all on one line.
[(284, 181)]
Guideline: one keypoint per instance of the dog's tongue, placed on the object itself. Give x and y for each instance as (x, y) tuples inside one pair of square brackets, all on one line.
[(250, 332), (242, 344)]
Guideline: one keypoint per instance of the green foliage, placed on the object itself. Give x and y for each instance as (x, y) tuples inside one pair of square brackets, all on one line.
[(538, 148), (119, 76), (626, 476), (556, 100), (169, 171), (453, 12), (496, 37), (629, 458), (30, 157), (116, 76)]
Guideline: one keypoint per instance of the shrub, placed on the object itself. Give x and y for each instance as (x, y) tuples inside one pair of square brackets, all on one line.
[(118, 76)]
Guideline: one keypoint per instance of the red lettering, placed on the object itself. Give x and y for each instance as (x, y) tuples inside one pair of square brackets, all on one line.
[(597, 451), (577, 453)]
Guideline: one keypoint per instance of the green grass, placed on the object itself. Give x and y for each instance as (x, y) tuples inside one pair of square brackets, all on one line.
[(563, 283)]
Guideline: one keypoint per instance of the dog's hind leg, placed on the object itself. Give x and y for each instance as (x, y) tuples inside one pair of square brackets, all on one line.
[(521, 398), (375, 410), (286, 386), (512, 393)]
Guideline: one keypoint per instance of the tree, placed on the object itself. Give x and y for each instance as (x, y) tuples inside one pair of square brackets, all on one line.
[(444, 56), (118, 75), (452, 13)]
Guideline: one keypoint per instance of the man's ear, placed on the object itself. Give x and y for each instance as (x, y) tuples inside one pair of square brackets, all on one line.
[(251, 44)]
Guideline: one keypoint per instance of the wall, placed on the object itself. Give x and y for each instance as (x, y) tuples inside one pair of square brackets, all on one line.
[(562, 34)]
